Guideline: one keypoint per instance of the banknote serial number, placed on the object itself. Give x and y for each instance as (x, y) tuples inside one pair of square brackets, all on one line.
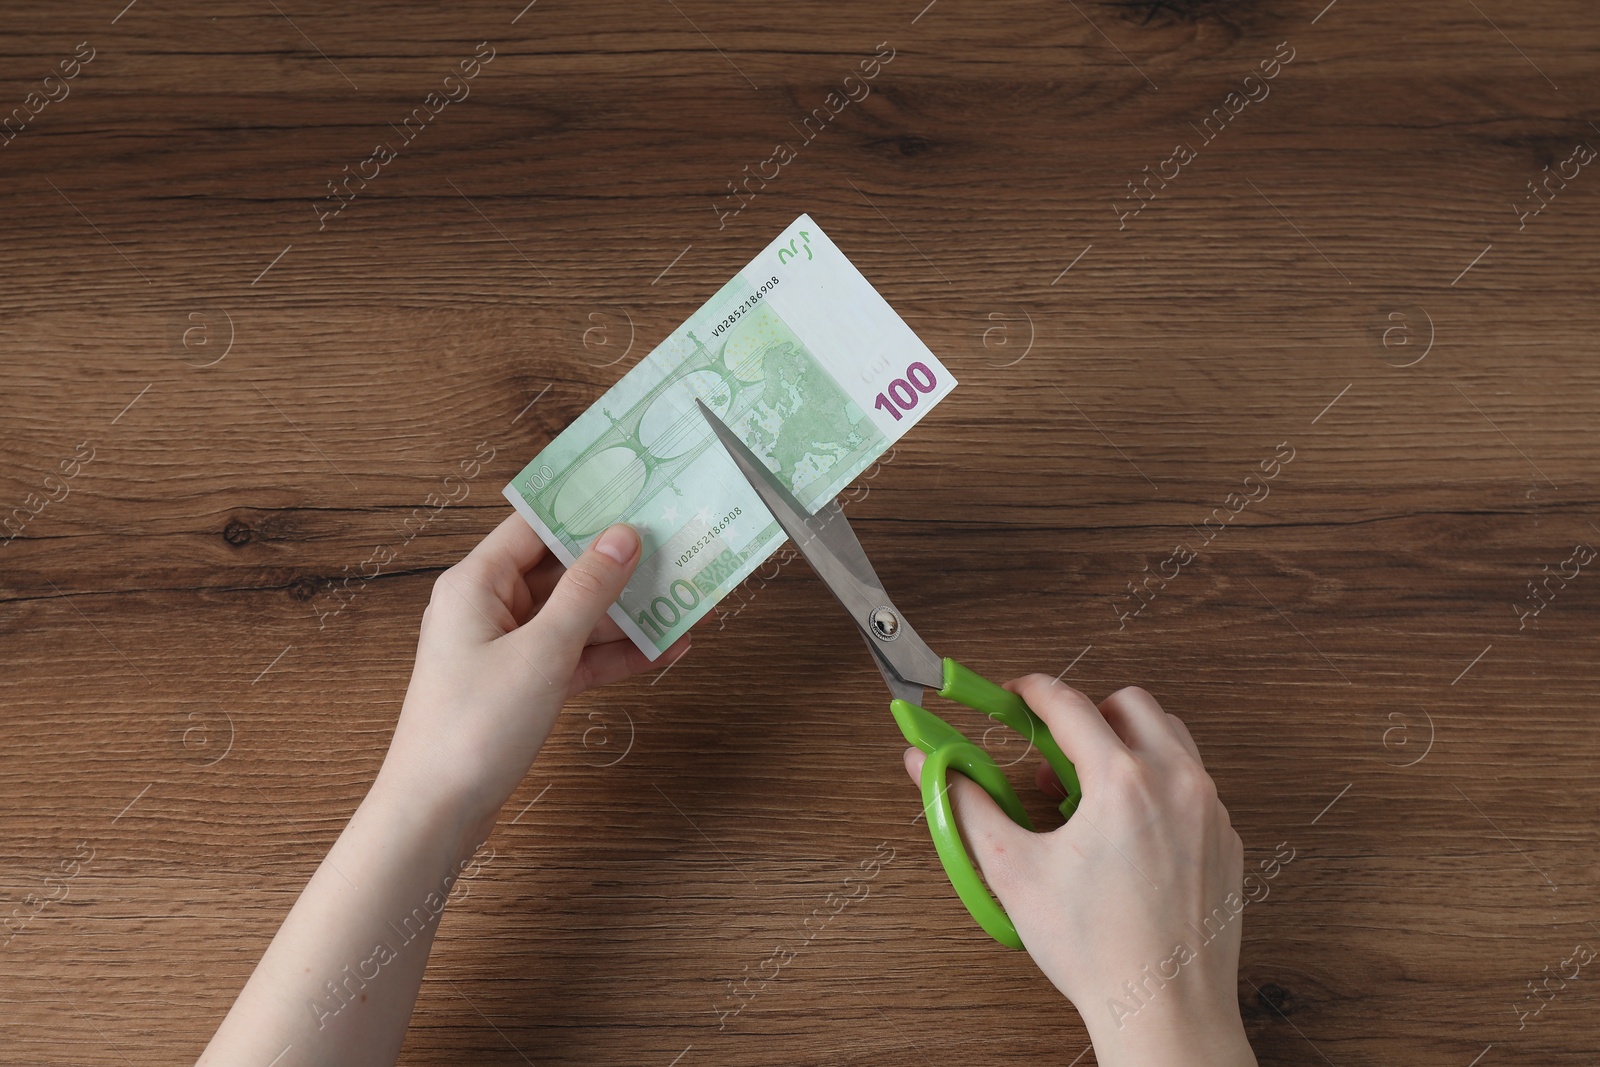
[(682, 596), (749, 302), (710, 535)]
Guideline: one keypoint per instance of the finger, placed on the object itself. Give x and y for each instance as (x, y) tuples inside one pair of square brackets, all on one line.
[(485, 589), (543, 576), (512, 546), (1136, 717), (1077, 725), (605, 631), (580, 599), (1185, 738), (613, 661), (542, 579), (1049, 783), (522, 603), (914, 758), (466, 606), (996, 844)]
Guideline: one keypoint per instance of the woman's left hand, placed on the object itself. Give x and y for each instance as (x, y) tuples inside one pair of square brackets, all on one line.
[(507, 638)]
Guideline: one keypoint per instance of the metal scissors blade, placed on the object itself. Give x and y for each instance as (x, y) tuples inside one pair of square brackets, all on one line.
[(830, 546)]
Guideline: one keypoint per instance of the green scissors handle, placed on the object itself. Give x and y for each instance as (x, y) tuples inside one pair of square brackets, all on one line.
[(950, 750)]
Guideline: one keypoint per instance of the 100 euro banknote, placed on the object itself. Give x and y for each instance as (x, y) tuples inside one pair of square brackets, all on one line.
[(802, 359)]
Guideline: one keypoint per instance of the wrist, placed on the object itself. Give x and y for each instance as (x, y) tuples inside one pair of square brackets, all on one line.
[(458, 823), (457, 774), (1177, 1033)]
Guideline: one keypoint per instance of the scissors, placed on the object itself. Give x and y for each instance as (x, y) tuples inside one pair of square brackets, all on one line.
[(909, 666)]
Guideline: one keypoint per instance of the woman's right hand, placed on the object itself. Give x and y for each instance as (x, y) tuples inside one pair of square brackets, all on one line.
[(1132, 908)]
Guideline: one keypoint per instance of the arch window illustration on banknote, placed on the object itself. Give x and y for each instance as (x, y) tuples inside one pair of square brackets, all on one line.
[(761, 380)]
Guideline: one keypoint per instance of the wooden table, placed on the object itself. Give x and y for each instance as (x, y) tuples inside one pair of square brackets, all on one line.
[(233, 371)]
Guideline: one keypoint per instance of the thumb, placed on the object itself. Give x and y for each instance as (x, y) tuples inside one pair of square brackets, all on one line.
[(590, 586), (998, 847)]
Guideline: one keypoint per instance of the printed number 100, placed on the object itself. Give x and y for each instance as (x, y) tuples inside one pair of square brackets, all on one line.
[(664, 614), (902, 394)]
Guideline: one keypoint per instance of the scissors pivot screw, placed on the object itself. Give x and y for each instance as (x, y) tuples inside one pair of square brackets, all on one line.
[(885, 623)]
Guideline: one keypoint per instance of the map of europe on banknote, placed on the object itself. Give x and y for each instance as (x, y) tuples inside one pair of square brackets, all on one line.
[(802, 359)]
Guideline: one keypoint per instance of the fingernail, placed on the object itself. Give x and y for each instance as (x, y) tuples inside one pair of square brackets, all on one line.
[(618, 543)]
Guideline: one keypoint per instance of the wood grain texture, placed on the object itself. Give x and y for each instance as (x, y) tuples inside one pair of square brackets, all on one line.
[(181, 698)]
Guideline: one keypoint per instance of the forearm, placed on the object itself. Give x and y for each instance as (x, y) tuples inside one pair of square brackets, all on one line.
[(338, 982)]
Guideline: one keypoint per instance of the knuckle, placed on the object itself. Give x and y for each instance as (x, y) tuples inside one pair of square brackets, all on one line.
[(1058, 696), (444, 585), (1044, 686), (584, 578), (1133, 695), (461, 574), (1195, 787), (1234, 846)]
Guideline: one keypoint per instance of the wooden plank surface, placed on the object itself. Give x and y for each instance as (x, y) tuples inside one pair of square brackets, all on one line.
[(1340, 273)]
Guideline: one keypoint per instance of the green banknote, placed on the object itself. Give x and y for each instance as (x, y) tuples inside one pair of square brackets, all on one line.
[(802, 359)]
